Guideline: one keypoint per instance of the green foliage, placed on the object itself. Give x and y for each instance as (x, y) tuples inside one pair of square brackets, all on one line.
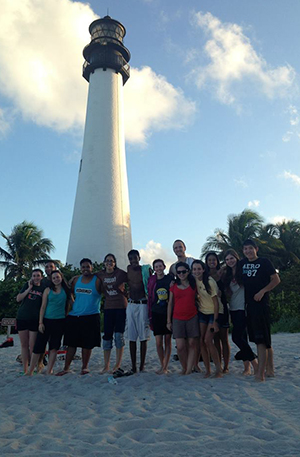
[(286, 325), (9, 289)]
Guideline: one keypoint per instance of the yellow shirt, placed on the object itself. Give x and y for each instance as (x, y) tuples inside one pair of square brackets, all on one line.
[(205, 299)]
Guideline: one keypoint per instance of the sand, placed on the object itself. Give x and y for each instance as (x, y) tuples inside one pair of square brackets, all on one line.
[(147, 414)]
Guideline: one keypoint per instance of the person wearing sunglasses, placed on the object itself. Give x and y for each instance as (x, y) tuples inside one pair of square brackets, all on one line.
[(182, 316)]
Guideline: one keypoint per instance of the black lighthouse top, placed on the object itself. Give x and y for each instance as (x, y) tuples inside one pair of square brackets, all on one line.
[(106, 49)]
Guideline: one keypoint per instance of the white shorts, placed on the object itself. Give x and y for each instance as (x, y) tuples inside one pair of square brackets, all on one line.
[(137, 322)]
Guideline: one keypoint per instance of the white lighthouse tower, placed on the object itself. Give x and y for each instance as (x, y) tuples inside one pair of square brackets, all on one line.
[(101, 218)]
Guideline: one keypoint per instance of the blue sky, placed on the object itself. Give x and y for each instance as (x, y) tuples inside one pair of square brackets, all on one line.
[(212, 114)]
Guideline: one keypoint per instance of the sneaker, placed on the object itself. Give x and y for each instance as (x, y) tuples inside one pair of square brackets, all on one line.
[(7, 343)]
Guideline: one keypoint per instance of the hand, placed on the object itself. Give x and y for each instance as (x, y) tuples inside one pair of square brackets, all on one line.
[(215, 327), (259, 295), (30, 284), (41, 328), (169, 326)]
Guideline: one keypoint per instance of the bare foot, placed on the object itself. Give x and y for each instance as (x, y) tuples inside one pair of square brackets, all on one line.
[(197, 369), (183, 372), (218, 374), (165, 371), (62, 373), (188, 372), (40, 368), (105, 370), (225, 370), (270, 374), (247, 372), (207, 374), (160, 371), (259, 378)]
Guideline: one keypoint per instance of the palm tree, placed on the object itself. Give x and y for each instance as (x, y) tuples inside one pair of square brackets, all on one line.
[(25, 249), (284, 239), (247, 224)]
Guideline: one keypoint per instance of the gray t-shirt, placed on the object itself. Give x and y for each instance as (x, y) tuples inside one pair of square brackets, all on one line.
[(237, 299)]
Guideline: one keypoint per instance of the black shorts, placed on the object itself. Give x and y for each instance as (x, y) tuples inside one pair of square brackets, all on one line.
[(258, 323), (31, 325), (159, 324), (223, 321), (54, 330), (114, 322), (83, 331)]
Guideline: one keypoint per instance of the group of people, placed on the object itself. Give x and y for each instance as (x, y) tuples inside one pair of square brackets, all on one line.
[(190, 302)]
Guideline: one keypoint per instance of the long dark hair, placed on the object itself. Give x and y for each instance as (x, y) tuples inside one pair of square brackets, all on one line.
[(205, 275), (64, 284), (214, 254), (190, 278), (229, 276)]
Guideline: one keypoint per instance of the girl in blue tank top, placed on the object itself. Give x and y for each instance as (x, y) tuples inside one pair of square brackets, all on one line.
[(55, 303)]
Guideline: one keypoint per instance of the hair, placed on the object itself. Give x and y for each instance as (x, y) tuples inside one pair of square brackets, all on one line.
[(214, 254), (85, 260), (229, 273), (156, 261), (250, 242), (64, 285), (179, 241), (50, 261), (114, 257), (205, 275), (134, 252), (190, 278), (39, 270)]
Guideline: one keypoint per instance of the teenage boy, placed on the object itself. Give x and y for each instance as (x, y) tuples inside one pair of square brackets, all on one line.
[(49, 267), (137, 309), (179, 249), (259, 278), (83, 321)]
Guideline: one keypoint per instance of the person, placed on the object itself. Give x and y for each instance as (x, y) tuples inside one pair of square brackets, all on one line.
[(234, 287), (182, 316), (83, 321), (113, 281), (158, 296), (214, 270), (55, 302), (49, 267), (259, 278), (30, 297), (137, 310), (207, 290), (179, 249)]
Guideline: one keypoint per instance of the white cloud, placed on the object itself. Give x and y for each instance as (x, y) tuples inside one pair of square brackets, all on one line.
[(292, 177), (157, 105), (154, 250), (294, 119), (4, 123), (41, 61), (278, 219), (287, 136), (253, 204), (232, 59), (241, 183)]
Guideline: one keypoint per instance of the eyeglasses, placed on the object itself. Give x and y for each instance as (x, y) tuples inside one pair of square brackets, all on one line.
[(182, 272), (110, 261)]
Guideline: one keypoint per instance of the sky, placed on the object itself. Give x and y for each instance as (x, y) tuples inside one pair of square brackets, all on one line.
[(212, 115)]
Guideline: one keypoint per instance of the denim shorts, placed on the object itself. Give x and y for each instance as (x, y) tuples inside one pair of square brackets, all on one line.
[(206, 319)]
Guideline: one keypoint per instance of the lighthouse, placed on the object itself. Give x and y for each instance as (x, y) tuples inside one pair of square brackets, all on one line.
[(101, 217)]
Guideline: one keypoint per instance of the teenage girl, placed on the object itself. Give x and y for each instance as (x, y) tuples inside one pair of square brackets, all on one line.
[(214, 270), (182, 306), (208, 316)]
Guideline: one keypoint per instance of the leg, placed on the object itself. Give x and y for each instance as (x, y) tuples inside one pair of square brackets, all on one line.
[(182, 353), (71, 351), (191, 347), (119, 343), (51, 361), (32, 339), (217, 343), (204, 351), (262, 362), (226, 348), (132, 347), (24, 340), (270, 363), (109, 323), (160, 352), (86, 355), (143, 352), (168, 348), (33, 363), (209, 341)]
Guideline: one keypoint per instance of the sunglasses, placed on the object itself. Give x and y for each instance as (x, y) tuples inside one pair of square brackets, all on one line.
[(182, 272)]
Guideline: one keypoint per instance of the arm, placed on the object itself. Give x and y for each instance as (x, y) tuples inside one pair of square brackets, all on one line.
[(275, 280), (170, 311), (43, 309), (216, 313), (98, 286), (24, 294)]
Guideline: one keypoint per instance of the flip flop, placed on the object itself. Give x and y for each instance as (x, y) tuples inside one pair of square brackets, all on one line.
[(119, 373), (129, 373), (84, 372)]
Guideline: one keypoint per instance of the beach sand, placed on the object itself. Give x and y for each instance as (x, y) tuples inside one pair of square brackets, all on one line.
[(147, 414)]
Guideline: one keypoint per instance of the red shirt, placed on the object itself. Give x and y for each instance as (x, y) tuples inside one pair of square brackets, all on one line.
[(184, 303)]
